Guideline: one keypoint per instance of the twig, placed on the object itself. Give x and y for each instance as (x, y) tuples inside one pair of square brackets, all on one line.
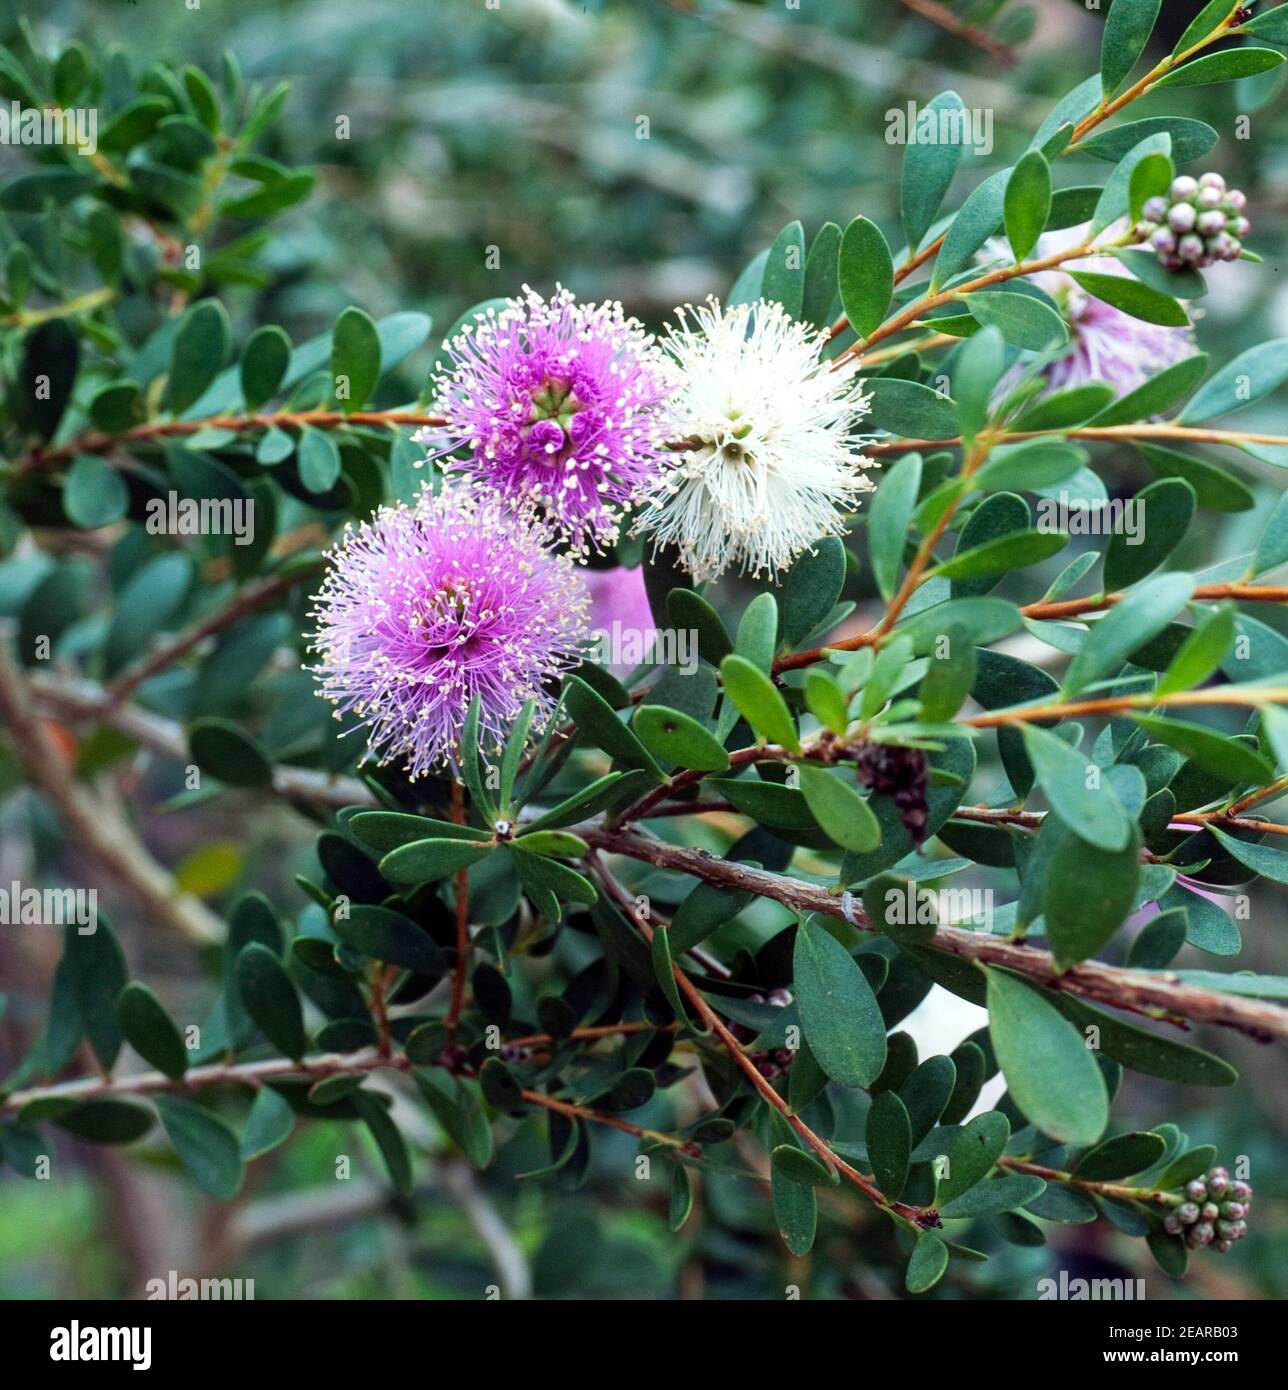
[(1111, 985), (959, 28), (91, 826)]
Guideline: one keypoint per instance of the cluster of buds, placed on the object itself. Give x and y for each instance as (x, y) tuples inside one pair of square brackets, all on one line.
[(903, 775), (1213, 1211), (1197, 222), (776, 1060)]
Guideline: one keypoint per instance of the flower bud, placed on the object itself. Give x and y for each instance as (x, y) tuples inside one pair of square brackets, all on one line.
[(1188, 1212), (1196, 1190), (1210, 1211), (1221, 1246), (1232, 1211), (1181, 217), (1183, 187), (1155, 208), (1236, 200), (1203, 1233), (1240, 1191), (1212, 180), (1218, 1179), (1173, 1224), (1211, 222), (1239, 226), (1190, 248), (1209, 198), (1164, 240)]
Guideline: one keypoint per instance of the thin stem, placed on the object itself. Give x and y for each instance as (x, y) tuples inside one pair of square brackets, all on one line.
[(461, 884)]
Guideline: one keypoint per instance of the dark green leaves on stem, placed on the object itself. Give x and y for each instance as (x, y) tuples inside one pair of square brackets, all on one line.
[(865, 275), (838, 1011), (150, 1030), (889, 514), (1027, 204), (1127, 30), (929, 166), (207, 1147), (1050, 1073), (264, 361), (271, 1000), (759, 702), (200, 347), (355, 358)]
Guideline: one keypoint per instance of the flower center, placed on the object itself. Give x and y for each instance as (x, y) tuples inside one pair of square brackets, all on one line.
[(555, 401), (448, 606)]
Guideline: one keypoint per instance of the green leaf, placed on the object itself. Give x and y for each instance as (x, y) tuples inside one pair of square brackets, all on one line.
[(428, 860), (784, 277), (1206, 22), (226, 751), (949, 676), (1139, 618), (594, 717), (926, 1093), (1168, 509), (1261, 859), (457, 1108), (1133, 298), (1225, 66), (908, 408), (928, 168), (795, 1204), (1150, 1053), (688, 610), (839, 1014), (705, 910), (1272, 25), (759, 702), (205, 1144), (826, 701), (1121, 1156), (541, 874), (798, 1166), (971, 1153), (976, 221), (1201, 653), (976, 371), (865, 275), (1247, 378), (319, 459), (96, 975), (1190, 139), (1272, 544), (889, 516), (1218, 755), (50, 359), (1157, 394), (929, 1260), (1127, 31), (270, 999), (820, 276), (150, 1030), (355, 358), (767, 802), (1049, 1072), (812, 588), (385, 935), (268, 1124), (1089, 808), (1027, 204), (889, 1143), (389, 1140), (200, 347), (387, 830), (1016, 551), (559, 843), (602, 792), (1087, 892), (1021, 319), (264, 361), (994, 1196), (105, 1120), (839, 809), (1034, 464), (95, 493), (1214, 488), (681, 1204), (675, 737)]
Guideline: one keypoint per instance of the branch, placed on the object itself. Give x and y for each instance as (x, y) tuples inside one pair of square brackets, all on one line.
[(90, 825), (250, 599), (1111, 985), (96, 442), (959, 28)]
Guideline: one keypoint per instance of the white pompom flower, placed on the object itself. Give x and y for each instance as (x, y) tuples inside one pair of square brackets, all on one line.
[(770, 461)]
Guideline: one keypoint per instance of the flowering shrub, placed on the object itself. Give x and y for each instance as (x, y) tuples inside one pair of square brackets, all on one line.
[(559, 896)]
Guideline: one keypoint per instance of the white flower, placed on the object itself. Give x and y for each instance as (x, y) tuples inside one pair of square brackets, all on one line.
[(770, 424)]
